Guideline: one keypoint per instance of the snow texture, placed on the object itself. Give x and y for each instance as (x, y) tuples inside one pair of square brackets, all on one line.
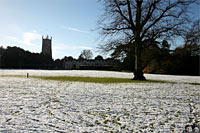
[(35, 105)]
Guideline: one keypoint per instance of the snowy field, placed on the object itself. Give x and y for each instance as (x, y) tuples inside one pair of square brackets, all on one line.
[(89, 73), (35, 105)]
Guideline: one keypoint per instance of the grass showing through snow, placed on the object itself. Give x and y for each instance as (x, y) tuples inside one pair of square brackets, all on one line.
[(96, 79), (103, 80)]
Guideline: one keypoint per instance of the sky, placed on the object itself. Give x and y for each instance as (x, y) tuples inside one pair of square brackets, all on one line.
[(71, 24)]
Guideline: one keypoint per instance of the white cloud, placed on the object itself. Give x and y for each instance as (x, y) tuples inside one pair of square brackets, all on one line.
[(27, 39), (69, 47), (75, 29)]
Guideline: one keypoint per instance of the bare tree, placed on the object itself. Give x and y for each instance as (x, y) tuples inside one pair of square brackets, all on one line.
[(140, 22), (86, 54)]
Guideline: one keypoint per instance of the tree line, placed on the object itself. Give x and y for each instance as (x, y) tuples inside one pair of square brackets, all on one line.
[(18, 58), (157, 58)]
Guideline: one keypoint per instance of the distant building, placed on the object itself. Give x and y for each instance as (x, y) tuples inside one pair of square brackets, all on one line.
[(46, 46), (92, 64)]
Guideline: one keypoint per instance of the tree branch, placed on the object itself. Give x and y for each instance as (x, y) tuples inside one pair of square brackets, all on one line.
[(150, 12), (161, 16), (130, 15), (120, 11), (116, 29)]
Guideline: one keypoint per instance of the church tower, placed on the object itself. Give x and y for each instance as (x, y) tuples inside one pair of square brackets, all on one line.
[(46, 46)]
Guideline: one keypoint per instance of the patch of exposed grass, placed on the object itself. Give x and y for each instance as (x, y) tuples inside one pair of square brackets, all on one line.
[(96, 79), (193, 83)]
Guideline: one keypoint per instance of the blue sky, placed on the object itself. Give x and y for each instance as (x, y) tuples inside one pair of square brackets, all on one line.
[(69, 22)]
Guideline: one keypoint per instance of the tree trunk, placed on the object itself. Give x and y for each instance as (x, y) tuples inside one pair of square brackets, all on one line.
[(138, 74)]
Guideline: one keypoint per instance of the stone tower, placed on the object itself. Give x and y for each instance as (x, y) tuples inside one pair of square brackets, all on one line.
[(46, 46)]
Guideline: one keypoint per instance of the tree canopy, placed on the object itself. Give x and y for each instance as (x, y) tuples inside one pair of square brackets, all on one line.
[(86, 54), (140, 23)]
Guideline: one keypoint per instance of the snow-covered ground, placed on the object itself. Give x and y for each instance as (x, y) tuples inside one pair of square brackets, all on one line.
[(35, 105)]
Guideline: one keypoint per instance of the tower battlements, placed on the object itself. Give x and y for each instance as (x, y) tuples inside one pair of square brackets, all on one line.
[(46, 46)]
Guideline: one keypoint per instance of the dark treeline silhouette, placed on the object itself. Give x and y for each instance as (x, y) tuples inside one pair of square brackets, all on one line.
[(15, 57), (18, 58), (156, 55), (158, 58), (179, 61)]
